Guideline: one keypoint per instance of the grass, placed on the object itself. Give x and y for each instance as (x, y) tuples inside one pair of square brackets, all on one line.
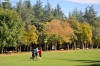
[(54, 58)]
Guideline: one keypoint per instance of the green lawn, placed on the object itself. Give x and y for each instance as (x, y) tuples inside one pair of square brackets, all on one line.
[(56, 58)]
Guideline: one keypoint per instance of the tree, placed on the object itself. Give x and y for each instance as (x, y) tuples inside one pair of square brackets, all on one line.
[(86, 34), (28, 13), (76, 27), (6, 4), (90, 15), (92, 19), (58, 14), (96, 32), (30, 36), (19, 8), (42, 33), (47, 15), (58, 28), (11, 28), (96, 41), (38, 11), (78, 15)]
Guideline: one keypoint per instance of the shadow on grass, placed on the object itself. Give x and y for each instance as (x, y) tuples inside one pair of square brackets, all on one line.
[(93, 62), (86, 62), (90, 65), (89, 61)]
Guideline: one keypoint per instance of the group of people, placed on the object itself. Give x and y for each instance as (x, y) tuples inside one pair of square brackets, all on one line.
[(36, 53)]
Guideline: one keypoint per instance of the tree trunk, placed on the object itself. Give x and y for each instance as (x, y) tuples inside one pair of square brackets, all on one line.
[(1, 50), (27, 48), (47, 47), (44, 47), (82, 45), (87, 46), (97, 47), (92, 46), (74, 45), (20, 47), (55, 46), (68, 46)]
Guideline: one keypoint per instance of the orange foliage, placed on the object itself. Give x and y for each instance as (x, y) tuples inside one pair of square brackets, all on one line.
[(61, 28)]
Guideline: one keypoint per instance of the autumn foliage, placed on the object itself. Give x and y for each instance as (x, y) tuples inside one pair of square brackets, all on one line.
[(62, 29)]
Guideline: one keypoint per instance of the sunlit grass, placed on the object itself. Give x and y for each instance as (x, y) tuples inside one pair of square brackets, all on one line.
[(56, 58)]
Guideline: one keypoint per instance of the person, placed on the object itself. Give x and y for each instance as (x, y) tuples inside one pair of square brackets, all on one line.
[(40, 53), (36, 53), (32, 55)]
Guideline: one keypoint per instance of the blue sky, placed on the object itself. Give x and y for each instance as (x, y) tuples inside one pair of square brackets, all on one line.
[(69, 5)]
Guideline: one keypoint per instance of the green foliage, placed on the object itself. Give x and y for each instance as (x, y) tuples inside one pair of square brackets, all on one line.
[(78, 15), (6, 4), (96, 40), (74, 24), (25, 11), (41, 27), (38, 11), (55, 38), (47, 14), (58, 14), (19, 8), (10, 26), (90, 15)]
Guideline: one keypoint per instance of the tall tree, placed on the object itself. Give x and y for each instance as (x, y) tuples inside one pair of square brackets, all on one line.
[(58, 14), (90, 15), (6, 4), (62, 29), (38, 11), (19, 8), (11, 28), (86, 34), (48, 14), (78, 15), (76, 27), (30, 36), (28, 13)]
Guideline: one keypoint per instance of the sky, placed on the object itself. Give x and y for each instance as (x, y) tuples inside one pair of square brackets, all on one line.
[(69, 5)]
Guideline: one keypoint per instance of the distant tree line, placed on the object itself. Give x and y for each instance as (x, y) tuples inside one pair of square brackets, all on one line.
[(24, 26)]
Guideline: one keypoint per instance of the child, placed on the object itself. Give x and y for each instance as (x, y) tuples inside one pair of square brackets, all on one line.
[(40, 53)]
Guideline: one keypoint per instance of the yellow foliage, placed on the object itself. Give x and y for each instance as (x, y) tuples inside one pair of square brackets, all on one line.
[(30, 35), (86, 32)]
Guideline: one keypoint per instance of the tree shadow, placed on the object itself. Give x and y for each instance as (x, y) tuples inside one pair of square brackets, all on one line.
[(93, 62), (90, 65), (86, 62)]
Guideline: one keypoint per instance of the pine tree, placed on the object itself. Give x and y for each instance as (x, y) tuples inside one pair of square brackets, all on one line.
[(38, 11), (58, 14), (48, 15), (90, 15), (28, 13), (6, 4)]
